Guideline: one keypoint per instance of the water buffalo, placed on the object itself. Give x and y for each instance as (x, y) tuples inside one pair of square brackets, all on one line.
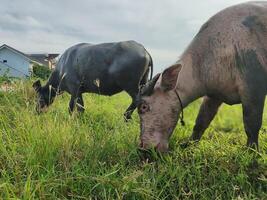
[(225, 63), (106, 69)]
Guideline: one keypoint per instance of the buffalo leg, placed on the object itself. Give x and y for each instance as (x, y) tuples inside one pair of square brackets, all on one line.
[(132, 107), (144, 78), (80, 104), (252, 117), (208, 110), (72, 104), (129, 111)]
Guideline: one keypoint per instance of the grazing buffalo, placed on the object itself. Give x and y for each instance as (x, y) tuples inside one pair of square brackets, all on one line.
[(225, 63), (106, 69)]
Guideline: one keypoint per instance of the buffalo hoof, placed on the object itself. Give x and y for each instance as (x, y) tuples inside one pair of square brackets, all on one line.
[(186, 144), (253, 146), (127, 117)]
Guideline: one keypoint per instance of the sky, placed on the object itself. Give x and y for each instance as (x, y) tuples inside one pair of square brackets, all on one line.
[(165, 28)]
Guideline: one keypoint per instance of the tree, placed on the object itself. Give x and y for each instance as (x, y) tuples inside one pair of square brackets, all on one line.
[(41, 71)]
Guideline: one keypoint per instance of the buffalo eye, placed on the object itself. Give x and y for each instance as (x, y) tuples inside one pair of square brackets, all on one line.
[(143, 108)]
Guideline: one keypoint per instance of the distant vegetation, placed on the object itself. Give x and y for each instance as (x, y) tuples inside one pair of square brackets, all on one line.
[(4, 78), (57, 156), (41, 71)]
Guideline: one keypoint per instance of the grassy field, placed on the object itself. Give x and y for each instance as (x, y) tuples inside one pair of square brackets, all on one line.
[(94, 156)]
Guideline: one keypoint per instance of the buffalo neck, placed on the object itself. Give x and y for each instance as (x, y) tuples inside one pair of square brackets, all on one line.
[(53, 81), (189, 87)]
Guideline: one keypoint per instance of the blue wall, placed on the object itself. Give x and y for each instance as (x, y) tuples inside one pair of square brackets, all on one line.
[(19, 65)]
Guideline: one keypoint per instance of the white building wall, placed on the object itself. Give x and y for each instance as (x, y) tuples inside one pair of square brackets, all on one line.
[(19, 65)]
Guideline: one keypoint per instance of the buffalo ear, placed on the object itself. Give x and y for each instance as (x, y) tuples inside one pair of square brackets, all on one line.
[(169, 77), (36, 85)]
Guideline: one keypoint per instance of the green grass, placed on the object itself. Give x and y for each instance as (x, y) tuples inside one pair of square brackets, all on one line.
[(94, 156)]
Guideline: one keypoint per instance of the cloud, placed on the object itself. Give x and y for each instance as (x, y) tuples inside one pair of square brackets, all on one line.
[(164, 28)]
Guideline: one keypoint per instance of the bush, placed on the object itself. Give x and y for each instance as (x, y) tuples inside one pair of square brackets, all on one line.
[(41, 71), (5, 78)]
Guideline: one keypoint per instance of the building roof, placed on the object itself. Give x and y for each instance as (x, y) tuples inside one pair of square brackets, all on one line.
[(43, 58), (40, 59), (15, 51)]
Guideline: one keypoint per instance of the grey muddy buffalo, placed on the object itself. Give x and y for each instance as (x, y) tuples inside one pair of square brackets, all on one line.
[(106, 69), (225, 63)]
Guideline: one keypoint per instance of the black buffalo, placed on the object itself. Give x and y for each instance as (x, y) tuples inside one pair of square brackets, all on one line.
[(106, 69)]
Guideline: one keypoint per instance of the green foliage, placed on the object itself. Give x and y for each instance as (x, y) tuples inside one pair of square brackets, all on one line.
[(94, 156), (4, 78), (41, 71)]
